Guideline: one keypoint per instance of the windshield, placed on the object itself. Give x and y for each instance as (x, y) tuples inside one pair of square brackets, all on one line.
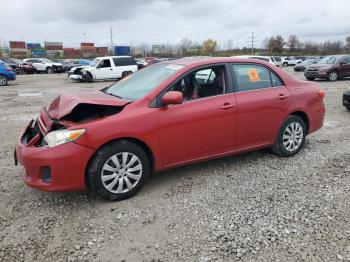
[(330, 60), (94, 62), (143, 82), (47, 60)]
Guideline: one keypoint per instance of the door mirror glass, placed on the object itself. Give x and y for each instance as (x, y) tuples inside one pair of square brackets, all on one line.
[(172, 98)]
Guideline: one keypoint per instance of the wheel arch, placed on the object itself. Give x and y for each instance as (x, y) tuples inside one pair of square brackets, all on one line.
[(136, 141), (303, 116)]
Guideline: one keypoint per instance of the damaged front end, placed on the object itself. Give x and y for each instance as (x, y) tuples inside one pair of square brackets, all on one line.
[(68, 111)]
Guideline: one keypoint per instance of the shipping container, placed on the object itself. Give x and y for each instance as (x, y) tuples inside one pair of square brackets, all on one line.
[(102, 51), (38, 52), (121, 50), (53, 43), (33, 46), (17, 44), (87, 45)]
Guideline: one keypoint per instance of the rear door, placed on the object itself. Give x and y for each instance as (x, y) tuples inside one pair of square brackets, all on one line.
[(262, 101)]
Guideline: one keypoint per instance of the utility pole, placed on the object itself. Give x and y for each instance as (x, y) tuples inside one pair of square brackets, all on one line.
[(252, 40), (111, 35)]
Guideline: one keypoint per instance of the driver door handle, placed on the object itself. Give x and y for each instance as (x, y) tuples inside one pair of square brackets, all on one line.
[(282, 96), (227, 106)]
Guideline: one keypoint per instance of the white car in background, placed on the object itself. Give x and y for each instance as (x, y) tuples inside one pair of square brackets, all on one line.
[(270, 59), (44, 65), (292, 61), (104, 68)]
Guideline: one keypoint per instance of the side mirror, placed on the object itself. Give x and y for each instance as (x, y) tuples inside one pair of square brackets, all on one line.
[(172, 98)]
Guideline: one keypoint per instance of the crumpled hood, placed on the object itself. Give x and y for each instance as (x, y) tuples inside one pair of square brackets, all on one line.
[(64, 104), (79, 67)]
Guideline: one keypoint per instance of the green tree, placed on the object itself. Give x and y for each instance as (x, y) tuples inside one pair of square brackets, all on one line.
[(209, 46)]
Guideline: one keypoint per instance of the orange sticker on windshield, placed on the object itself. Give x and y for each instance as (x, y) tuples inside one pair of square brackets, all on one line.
[(253, 75)]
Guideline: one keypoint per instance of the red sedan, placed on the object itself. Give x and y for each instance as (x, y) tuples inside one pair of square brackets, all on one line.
[(166, 115)]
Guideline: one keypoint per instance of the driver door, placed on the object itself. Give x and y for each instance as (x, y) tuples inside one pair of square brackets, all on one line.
[(200, 127), (104, 69)]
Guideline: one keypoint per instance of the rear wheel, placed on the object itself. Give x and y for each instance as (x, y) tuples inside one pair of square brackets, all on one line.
[(3, 80), (291, 137), (49, 70), (333, 76), (118, 170), (310, 78), (125, 74)]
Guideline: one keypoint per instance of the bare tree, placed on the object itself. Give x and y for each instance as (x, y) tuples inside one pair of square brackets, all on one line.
[(348, 43), (185, 45), (293, 43)]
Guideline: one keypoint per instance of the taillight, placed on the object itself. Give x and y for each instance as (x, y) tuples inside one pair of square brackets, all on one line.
[(321, 93)]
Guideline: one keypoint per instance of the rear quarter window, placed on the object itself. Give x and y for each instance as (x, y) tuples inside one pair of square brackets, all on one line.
[(124, 61)]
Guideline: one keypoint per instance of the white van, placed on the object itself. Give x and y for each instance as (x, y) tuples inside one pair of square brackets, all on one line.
[(104, 68), (270, 59)]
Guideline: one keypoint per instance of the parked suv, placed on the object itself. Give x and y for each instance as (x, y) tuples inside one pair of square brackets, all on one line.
[(45, 65), (6, 74), (103, 68), (329, 67)]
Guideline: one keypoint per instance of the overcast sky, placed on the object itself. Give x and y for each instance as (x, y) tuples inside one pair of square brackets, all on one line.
[(167, 21)]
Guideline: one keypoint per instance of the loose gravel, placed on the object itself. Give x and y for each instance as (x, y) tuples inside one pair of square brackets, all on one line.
[(251, 207)]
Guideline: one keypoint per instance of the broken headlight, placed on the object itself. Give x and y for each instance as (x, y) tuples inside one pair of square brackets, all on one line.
[(59, 137)]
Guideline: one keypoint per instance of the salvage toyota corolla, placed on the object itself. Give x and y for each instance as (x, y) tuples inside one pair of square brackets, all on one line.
[(166, 115)]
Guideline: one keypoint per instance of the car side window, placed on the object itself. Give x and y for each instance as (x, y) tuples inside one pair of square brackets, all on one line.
[(251, 77), (124, 61), (347, 60), (202, 83), (104, 63)]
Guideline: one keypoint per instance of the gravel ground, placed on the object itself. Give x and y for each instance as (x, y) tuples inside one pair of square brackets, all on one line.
[(251, 207)]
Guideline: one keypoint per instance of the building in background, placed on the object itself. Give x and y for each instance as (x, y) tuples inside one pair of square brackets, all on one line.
[(158, 49), (18, 49), (54, 49)]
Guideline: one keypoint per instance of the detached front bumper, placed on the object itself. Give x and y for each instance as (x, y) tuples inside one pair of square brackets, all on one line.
[(60, 168), (76, 77)]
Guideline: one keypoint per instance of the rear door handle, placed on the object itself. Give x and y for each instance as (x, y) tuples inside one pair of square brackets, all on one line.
[(227, 106), (282, 97)]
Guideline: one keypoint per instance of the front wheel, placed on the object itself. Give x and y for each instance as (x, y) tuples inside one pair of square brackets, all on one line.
[(19, 71), (310, 78), (49, 70), (89, 78), (285, 64), (348, 108), (3, 80), (291, 137), (333, 76), (118, 170)]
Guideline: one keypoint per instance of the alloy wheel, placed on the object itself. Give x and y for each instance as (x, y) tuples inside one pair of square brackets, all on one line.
[(121, 172), (333, 76), (3, 80), (293, 136)]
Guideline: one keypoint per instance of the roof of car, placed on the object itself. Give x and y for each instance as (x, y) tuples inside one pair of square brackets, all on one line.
[(214, 60)]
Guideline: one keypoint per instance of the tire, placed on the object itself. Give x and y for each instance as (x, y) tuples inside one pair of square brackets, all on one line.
[(291, 137), (3, 80), (104, 165), (19, 71), (333, 76), (310, 78), (348, 108), (126, 73), (285, 64), (89, 78), (49, 70)]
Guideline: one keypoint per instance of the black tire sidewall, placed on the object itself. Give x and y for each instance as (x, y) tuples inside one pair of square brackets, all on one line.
[(310, 78), (100, 158), (88, 77), (336, 78), (279, 147), (5, 79), (47, 70)]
